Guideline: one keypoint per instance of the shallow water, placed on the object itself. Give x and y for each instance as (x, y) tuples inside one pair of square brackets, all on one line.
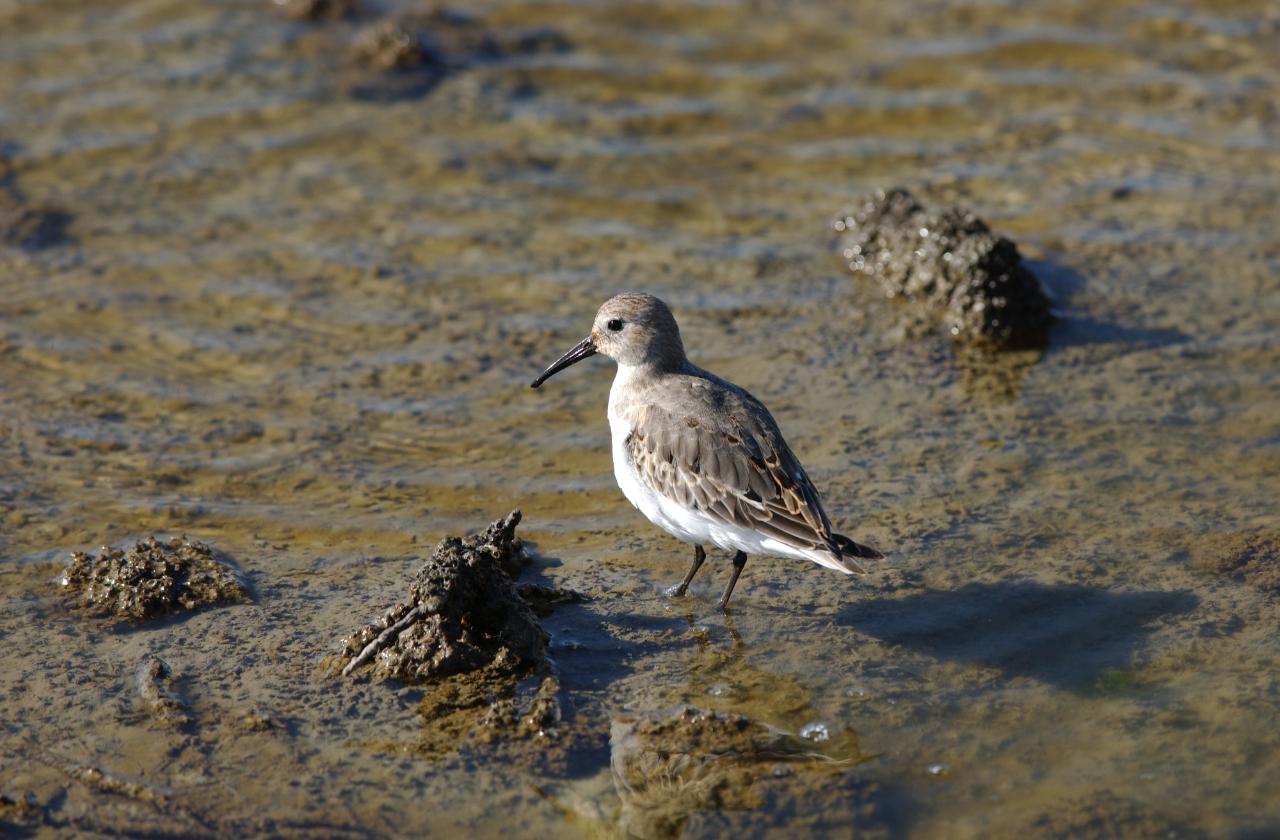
[(298, 321)]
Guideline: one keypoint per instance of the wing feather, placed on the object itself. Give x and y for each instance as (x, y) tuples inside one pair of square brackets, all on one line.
[(739, 471)]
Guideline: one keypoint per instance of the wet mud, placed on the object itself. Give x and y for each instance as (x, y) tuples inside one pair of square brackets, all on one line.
[(299, 322), (149, 579), (466, 630), (317, 10), (158, 698), (948, 261)]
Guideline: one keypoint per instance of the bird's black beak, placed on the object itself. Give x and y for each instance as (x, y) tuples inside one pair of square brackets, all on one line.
[(582, 350)]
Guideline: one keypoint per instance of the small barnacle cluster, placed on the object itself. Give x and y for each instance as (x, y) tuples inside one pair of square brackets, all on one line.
[(150, 579)]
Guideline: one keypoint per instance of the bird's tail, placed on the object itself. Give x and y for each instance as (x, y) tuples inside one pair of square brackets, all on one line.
[(851, 552)]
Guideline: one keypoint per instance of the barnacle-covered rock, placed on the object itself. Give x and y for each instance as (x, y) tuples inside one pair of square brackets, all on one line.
[(949, 261), (411, 53), (150, 579)]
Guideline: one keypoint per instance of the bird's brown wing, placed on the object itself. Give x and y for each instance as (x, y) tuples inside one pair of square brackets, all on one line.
[(731, 464)]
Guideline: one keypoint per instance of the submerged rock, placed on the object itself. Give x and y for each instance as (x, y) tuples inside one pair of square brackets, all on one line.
[(951, 262), (152, 578), (666, 769), (22, 809), (32, 228), (395, 45)]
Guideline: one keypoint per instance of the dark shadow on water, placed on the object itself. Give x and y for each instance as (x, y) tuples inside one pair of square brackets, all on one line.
[(1066, 635), (588, 656), (1074, 331), (1073, 327)]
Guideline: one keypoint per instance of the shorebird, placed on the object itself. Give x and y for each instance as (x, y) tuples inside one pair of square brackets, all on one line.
[(700, 457)]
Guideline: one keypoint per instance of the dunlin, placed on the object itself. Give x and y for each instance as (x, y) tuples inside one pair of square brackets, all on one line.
[(700, 457)]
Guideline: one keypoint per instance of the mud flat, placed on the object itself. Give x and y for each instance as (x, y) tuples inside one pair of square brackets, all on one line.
[(299, 323)]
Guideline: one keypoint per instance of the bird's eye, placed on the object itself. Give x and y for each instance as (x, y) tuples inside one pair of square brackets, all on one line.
[(614, 324)]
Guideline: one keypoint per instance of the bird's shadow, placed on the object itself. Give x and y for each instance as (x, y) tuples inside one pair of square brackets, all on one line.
[(1067, 635)]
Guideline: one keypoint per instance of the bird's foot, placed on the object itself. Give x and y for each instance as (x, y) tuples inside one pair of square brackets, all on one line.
[(677, 591)]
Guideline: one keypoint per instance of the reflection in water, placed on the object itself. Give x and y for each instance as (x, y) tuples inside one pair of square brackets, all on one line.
[(666, 769), (746, 738)]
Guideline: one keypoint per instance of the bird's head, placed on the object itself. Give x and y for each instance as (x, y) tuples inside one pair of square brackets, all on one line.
[(634, 329)]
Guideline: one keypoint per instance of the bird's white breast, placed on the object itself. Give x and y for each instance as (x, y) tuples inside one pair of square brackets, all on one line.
[(687, 524)]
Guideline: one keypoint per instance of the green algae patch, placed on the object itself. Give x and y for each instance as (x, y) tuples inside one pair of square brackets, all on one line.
[(1104, 814), (151, 579)]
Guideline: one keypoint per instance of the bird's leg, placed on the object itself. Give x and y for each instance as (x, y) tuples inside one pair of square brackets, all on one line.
[(699, 557), (739, 560)]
